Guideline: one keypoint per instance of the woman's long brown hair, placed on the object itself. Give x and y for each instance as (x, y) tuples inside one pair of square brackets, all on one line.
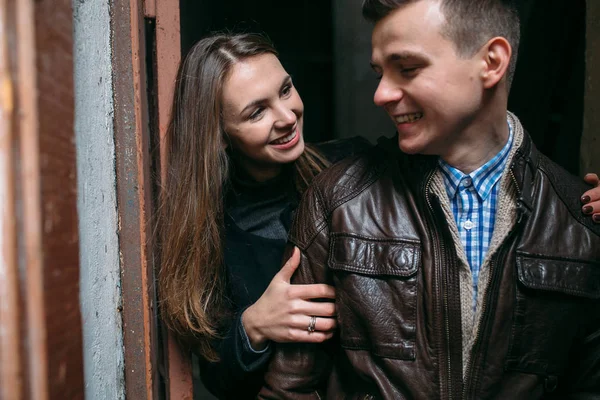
[(190, 227)]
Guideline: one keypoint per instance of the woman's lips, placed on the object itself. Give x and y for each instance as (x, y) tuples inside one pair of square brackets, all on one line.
[(287, 141)]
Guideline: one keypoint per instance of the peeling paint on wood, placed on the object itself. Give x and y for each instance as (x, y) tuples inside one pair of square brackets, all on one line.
[(45, 292)]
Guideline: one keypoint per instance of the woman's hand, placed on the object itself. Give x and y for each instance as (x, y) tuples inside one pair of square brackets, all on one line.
[(591, 198), (283, 313)]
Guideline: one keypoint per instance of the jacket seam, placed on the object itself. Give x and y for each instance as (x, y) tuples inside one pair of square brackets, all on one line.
[(558, 287), (354, 193), (563, 290), (378, 240), (321, 224), (325, 216), (591, 337), (554, 258), (542, 170)]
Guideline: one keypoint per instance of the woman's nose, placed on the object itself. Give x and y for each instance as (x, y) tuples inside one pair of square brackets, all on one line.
[(286, 117)]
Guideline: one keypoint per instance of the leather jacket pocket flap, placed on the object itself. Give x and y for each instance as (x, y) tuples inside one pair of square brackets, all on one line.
[(373, 256), (575, 278)]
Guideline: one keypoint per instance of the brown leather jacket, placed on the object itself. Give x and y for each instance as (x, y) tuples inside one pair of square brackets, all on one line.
[(372, 227)]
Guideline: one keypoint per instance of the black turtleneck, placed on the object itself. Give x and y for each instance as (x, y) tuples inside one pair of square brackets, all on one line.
[(257, 220), (262, 208)]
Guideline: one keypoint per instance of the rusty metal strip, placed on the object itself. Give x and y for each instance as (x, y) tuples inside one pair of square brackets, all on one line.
[(168, 55), (11, 385), (150, 8), (180, 383), (134, 198)]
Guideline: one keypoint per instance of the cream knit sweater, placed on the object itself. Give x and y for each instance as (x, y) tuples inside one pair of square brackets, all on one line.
[(506, 216)]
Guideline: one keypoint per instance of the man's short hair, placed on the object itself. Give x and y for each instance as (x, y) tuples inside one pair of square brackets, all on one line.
[(469, 23)]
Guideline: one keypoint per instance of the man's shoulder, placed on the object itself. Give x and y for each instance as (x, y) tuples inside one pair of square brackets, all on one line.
[(333, 188), (338, 149), (350, 176), (568, 189)]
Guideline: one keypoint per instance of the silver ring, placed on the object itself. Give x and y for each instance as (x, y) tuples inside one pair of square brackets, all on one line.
[(311, 324)]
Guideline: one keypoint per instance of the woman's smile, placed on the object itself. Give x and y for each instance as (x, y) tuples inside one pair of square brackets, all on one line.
[(288, 141)]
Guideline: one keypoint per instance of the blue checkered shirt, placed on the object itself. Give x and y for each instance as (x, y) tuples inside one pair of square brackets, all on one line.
[(473, 199)]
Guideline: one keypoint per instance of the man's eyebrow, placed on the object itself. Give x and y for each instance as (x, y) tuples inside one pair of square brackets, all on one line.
[(401, 56), (286, 80), (405, 55)]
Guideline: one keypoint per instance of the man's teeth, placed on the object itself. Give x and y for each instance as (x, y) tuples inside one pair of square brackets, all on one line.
[(285, 139), (409, 118)]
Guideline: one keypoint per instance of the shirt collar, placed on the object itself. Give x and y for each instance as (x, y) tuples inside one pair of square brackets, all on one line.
[(484, 178)]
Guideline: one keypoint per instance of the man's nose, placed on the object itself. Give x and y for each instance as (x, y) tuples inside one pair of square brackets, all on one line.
[(386, 93)]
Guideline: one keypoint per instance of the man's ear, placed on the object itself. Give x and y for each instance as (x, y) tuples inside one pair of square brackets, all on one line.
[(496, 59)]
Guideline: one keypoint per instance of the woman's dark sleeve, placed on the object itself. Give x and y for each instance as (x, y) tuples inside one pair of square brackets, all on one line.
[(239, 372)]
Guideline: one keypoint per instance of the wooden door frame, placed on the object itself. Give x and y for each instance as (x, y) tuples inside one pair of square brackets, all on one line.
[(146, 54), (134, 199), (41, 352)]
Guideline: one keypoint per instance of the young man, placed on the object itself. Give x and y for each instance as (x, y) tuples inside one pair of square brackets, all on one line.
[(463, 265)]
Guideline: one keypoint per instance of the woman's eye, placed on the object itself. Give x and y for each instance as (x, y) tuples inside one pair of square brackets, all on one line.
[(287, 89)]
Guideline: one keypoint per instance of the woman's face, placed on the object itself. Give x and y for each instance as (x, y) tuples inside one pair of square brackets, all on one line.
[(262, 116)]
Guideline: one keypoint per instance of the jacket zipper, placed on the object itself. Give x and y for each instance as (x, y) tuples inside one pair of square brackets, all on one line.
[(494, 279), (439, 250), (472, 374), (471, 377)]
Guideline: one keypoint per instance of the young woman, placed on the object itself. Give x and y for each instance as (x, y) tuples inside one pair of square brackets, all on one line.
[(237, 164)]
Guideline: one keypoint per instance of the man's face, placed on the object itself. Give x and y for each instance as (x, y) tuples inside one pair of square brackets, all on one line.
[(431, 93)]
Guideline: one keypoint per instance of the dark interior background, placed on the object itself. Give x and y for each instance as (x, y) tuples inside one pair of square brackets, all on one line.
[(548, 90), (301, 32)]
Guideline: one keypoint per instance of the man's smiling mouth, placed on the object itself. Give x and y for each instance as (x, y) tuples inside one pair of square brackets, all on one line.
[(403, 119)]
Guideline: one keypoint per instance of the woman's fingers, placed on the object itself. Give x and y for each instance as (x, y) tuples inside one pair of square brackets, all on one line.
[(591, 198), (324, 324), (301, 308), (592, 179), (591, 208), (303, 336), (314, 291), (305, 330), (321, 324), (288, 269)]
